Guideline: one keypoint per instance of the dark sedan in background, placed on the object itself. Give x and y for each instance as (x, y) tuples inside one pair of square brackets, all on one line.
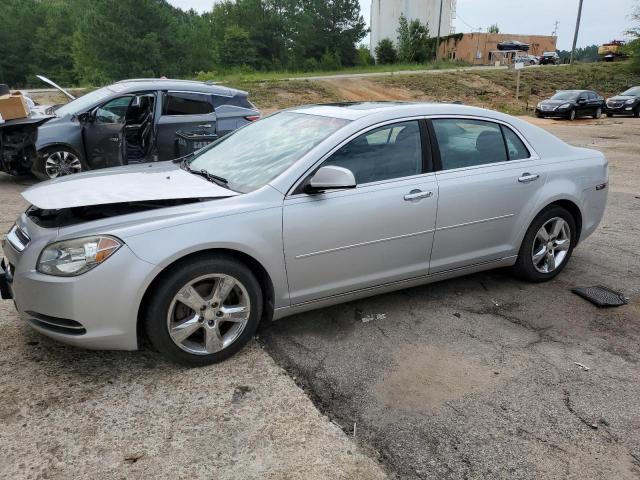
[(571, 104), (627, 103)]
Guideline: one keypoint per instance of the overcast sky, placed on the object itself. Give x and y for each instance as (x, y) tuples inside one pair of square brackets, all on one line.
[(602, 20)]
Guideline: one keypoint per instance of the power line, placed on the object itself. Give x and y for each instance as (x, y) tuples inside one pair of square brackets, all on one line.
[(463, 21)]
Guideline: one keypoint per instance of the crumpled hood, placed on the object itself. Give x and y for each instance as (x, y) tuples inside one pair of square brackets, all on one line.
[(134, 183)]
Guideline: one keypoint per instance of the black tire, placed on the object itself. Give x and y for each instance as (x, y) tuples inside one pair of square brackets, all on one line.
[(156, 324), (38, 167), (524, 267), (572, 115), (636, 112), (598, 114), (609, 115)]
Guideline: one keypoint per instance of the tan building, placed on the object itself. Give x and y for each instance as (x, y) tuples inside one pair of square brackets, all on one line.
[(480, 48)]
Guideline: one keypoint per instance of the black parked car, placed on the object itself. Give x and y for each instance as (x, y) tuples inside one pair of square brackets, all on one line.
[(550, 58), (571, 104), (627, 103), (513, 45)]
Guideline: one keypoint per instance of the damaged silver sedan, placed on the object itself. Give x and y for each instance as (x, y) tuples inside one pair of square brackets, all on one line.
[(307, 208)]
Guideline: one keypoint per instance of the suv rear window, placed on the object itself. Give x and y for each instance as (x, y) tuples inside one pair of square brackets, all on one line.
[(182, 103)]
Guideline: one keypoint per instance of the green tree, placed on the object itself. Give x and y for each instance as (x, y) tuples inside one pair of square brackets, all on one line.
[(364, 58), (493, 28), (236, 49), (634, 46), (413, 41), (386, 52)]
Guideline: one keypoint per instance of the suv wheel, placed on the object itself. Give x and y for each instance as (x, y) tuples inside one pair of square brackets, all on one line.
[(547, 245), (204, 311), (56, 162)]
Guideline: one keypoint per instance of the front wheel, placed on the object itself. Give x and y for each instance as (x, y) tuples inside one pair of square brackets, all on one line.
[(572, 115), (204, 311), (547, 245), (56, 162), (636, 112)]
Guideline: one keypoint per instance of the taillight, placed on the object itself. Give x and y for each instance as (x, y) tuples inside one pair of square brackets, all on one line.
[(252, 118)]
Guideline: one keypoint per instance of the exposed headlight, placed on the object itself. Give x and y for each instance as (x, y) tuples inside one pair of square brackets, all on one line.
[(75, 257), (630, 101), (540, 105)]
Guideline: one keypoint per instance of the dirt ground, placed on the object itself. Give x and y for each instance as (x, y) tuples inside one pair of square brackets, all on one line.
[(471, 378)]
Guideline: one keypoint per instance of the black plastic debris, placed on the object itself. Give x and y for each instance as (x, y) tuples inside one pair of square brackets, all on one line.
[(600, 296)]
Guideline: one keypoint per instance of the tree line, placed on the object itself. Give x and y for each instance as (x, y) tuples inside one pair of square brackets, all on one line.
[(99, 41)]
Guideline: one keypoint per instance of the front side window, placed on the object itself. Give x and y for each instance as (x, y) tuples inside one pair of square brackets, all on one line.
[(181, 103), (468, 143), (252, 156), (392, 151), (114, 111)]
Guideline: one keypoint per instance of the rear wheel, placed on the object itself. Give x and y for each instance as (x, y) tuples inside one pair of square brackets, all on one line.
[(636, 112), (204, 311), (57, 162), (598, 113), (547, 245)]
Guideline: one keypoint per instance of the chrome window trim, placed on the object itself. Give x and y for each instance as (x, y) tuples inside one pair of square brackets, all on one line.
[(326, 156)]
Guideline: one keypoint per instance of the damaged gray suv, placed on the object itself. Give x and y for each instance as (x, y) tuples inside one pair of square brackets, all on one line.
[(307, 208)]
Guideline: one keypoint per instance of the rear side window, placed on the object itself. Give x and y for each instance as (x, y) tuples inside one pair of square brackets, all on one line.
[(515, 148), (235, 101), (181, 103), (468, 143)]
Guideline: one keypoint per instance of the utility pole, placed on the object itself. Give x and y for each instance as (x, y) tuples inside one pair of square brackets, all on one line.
[(555, 29), (439, 28), (575, 36)]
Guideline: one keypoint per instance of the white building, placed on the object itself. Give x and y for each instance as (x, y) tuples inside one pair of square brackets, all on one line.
[(385, 17)]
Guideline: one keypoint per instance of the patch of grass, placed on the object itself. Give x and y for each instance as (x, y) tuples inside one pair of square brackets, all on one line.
[(243, 75)]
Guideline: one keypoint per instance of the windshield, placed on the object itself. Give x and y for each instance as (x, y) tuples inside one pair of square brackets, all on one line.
[(632, 92), (549, 54), (84, 103), (565, 96), (252, 156)]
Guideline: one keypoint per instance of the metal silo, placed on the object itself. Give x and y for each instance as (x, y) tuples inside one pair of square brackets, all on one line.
[(385, 16)]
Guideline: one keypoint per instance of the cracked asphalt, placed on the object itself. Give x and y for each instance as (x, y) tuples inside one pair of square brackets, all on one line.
[(486, 376)]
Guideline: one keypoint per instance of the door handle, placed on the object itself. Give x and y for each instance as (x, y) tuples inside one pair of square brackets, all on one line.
[(206, 125), (417, 195), (528, 178)]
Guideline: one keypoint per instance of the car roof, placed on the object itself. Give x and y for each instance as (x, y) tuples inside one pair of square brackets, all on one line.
[(358, 110), (137, 84)]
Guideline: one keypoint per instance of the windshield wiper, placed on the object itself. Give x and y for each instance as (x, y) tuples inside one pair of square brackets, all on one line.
[(223, 182)]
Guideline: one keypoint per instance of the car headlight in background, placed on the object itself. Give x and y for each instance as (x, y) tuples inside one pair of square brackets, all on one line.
[(540, 105), (565, 105), (630, 101), (75, 257)]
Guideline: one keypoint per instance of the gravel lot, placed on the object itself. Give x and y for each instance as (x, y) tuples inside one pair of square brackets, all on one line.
[(469, 378)]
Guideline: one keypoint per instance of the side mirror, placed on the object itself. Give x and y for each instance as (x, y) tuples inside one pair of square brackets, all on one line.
[(85, 118), (331, 178)]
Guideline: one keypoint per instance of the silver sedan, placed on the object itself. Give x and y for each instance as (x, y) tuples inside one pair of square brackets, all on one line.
[(307, 208)]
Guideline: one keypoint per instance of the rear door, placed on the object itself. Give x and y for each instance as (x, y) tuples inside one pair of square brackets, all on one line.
[(379, 232), (489, 179), (183, 110)]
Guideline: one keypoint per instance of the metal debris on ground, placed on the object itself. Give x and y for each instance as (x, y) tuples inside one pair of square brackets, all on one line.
[(371, 318), (583, 367), (601, 296)]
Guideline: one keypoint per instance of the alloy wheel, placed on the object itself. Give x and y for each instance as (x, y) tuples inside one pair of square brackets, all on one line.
[(551, 245), (61, 163), (599, 113), (572, 115), (208, 314)]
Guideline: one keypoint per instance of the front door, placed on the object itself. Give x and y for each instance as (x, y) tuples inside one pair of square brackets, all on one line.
[(379, 232), (488, 181), (182, 112), (104, 134)]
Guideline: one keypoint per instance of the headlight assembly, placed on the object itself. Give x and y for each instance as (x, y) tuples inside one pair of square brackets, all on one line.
[(565, 105), (630, 101), (69, 258)]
